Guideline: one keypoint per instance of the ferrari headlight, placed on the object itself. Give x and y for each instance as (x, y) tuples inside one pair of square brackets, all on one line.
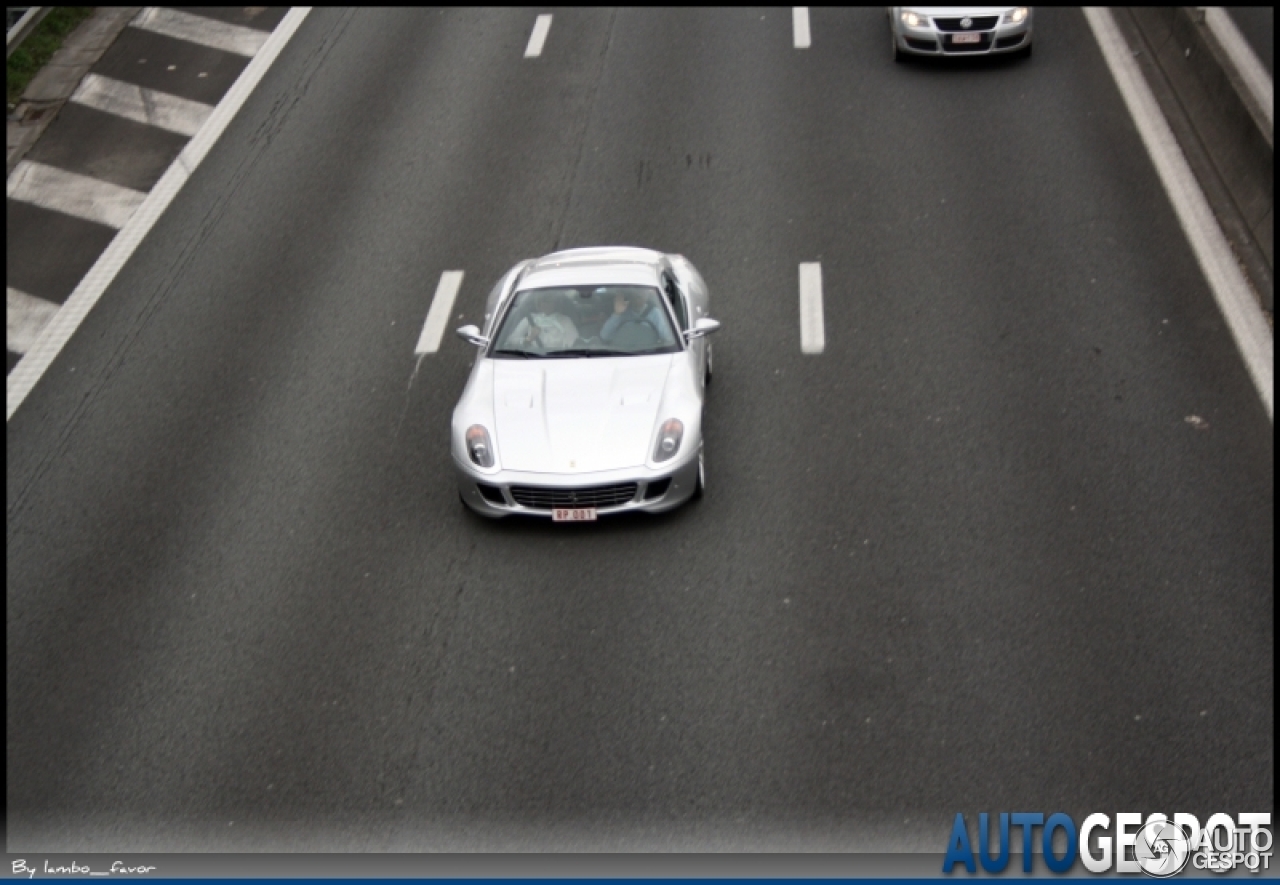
[(668, 440), (479, 448), (1016, 17), (913, 19)]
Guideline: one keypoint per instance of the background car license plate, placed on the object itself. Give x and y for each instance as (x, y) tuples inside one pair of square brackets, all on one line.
[(966, 38), (573, 514)]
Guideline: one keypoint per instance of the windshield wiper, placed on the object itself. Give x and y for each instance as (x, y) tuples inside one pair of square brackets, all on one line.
[(584, 351), (523, 354)]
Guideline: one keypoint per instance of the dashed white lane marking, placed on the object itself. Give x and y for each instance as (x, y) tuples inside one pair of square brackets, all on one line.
[(198, 29), (27, 316), (79, 195), (1230, 289), (800, 26), (55, 335), (438, 315), (1255, 76), (160, 109), (539, 36), (813, 337)]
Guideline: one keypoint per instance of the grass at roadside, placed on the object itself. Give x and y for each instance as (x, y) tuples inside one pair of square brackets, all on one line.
[(39, 47)]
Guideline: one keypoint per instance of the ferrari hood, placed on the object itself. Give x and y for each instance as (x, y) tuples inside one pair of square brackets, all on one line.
[(577, 415)]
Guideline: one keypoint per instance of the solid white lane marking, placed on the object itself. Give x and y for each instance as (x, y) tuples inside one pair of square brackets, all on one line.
[(813, 337), (800, 26), (51, 188), (160, 109), (1230, 289), (55, 335), (438, 315), (26, 316), (1255, 76), (198, 29), (539, 36)]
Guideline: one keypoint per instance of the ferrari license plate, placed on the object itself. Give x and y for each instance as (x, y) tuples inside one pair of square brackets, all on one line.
[(966, 38), (573, 514)]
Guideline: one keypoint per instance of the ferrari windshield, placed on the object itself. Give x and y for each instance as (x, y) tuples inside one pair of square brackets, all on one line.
[(585, 321)]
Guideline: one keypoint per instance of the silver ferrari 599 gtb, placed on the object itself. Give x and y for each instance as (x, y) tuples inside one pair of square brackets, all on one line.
[(586, 396)]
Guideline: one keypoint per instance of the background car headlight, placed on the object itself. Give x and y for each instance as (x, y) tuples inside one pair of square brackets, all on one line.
[(914, 19), (668, 440), (478, 446), (1015, 17)]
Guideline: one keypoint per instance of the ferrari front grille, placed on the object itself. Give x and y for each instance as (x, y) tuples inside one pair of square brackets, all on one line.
[(543, 498)]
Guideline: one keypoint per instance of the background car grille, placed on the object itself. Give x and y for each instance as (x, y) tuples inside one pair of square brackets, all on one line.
[(595, 496), (980, 23)]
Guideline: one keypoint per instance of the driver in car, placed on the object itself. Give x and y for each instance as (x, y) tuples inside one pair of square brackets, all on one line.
[(634, 307), (544, 328)]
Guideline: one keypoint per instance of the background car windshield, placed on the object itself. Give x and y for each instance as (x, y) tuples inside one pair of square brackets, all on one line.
[(586, 321)]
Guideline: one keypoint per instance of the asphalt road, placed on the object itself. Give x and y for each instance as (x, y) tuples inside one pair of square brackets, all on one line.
[(976, 556)]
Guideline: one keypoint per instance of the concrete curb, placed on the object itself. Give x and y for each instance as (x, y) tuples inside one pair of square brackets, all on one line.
[(1219, 126), (49, 90)]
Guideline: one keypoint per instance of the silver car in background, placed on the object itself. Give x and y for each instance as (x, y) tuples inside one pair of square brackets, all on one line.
[(586, 395), (960, 30)]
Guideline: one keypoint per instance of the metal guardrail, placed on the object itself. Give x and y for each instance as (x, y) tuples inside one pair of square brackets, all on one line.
[(24, 26), (1255, 78)]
